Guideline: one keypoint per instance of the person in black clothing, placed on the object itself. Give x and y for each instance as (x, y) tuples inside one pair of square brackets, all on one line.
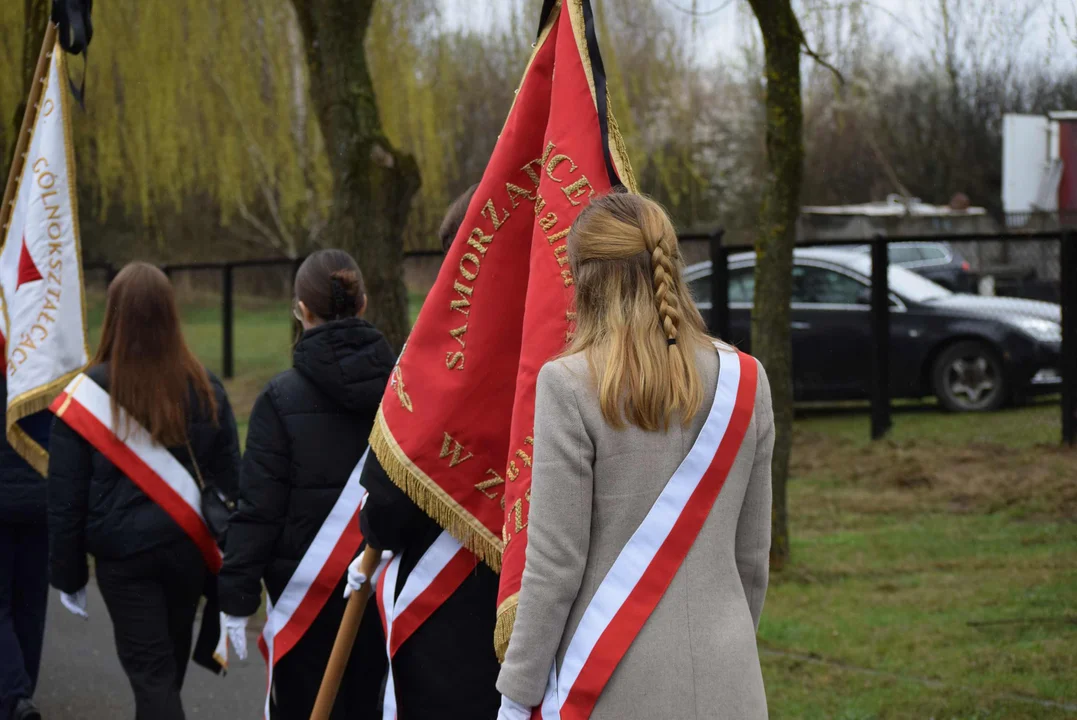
[(448, 667), (24, 578), (150, 572), (308, 431)]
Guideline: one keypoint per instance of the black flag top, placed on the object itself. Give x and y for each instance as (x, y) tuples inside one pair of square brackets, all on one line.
[(72, 17)]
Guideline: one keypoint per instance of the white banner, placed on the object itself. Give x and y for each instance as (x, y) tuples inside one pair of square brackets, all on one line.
[(41, 288)]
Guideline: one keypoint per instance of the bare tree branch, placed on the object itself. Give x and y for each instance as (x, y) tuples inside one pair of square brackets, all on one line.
[(699, 13), (271, 238), (807, 50), (285, 240)]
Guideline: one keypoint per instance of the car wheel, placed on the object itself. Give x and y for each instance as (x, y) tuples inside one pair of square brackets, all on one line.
[(969, 377)]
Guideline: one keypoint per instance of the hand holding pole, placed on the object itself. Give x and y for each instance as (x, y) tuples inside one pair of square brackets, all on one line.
[(342, 648)]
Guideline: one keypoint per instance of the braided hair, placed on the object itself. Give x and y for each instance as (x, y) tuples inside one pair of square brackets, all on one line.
[(635, 318), (662, 246)]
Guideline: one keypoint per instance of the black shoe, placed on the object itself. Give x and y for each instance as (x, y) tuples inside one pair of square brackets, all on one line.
[(26, 710)]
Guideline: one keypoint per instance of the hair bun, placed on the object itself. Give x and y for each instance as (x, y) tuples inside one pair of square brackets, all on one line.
[(344, 293)]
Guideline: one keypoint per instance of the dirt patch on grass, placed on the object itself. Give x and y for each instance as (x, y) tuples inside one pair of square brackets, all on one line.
[(888, 477)]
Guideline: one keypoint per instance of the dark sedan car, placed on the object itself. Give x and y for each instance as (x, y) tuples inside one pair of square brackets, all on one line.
[(937, 261), (972, 352)]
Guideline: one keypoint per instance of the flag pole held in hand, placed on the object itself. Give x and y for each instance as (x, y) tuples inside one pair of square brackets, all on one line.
[(342, 647)]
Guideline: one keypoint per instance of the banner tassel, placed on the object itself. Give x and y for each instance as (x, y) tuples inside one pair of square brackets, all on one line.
[(431, 499)]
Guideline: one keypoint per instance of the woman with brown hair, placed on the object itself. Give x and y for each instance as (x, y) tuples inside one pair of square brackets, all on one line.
[(142, 429), (308, 433), (649, 530)]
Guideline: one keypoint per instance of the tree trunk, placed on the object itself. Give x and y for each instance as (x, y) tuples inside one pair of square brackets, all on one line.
[(771, 338), (36, 21), (373, 183)]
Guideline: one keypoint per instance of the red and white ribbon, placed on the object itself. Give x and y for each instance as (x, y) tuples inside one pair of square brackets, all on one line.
[(87, 409), (647, 564), (317, 576), (440, 571)]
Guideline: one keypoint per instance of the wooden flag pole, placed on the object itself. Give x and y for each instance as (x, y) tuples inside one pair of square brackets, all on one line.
[(342, 648), (22, 144)]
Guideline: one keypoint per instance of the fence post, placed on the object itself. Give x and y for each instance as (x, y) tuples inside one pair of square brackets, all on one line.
[(1068, 280), (880, 338), (227, 318), (719, 319)]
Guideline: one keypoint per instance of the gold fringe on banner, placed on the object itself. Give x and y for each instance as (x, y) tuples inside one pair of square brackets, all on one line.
[(506, 619), (431, 499), (40, 398), (506, 612), (25, 405)]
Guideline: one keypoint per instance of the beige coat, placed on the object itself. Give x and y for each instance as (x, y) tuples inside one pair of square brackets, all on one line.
[(696, 655)]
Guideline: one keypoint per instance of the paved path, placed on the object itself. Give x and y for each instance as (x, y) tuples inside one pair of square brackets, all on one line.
[(81, 678)]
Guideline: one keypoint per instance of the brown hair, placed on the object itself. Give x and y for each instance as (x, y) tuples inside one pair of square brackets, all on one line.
[(454, 217), (635, 319), (330, 284), (151, 370)]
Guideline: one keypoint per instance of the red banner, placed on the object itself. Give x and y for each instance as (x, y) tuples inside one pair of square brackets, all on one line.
[(455, 425)]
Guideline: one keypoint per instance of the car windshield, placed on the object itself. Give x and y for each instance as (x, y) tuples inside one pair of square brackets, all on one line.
[(915, 288), (904, 283)]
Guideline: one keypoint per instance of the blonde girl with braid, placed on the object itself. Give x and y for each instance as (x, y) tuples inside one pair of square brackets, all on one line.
[(615, 418)]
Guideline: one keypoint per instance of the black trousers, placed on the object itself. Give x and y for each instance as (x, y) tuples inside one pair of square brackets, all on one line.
[(298, 675), (24, 593), (152, 598)]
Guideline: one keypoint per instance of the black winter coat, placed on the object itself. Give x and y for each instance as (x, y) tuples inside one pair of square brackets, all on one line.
[(447, 668), (308, 431), (94, 508), (22, 489)]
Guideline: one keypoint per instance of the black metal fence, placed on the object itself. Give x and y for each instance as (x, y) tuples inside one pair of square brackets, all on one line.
[(1027, 337), (1040, 265), (266, 278)]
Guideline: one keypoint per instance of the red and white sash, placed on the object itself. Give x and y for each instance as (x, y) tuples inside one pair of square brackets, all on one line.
[(87, 409), (440, 571), (647, 564), (317, 576)]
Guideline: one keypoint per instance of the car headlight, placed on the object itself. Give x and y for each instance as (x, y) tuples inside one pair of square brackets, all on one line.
[(1040, 329)]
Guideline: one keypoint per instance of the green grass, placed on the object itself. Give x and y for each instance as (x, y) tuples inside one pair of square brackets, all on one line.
[(263, 340), (932, 574), (1038, 423), (921, 587)]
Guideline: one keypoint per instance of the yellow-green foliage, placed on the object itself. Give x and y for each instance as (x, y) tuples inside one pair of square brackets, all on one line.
[(204, 103), (197, 97)]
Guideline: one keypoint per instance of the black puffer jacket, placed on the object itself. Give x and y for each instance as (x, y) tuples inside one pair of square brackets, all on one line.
[(308, 430), (94, 508), (22, 489)]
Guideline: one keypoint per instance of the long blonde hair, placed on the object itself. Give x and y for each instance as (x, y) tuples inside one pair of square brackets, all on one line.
[(635, 319)]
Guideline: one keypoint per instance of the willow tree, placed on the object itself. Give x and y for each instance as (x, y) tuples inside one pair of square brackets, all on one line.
[(771, 337), (206, 122), (34, 20), (373, 182)]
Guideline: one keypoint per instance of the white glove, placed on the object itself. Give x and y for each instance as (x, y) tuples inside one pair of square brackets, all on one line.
[(512, 710), (75, 603), (356, 578), (236, 627)]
